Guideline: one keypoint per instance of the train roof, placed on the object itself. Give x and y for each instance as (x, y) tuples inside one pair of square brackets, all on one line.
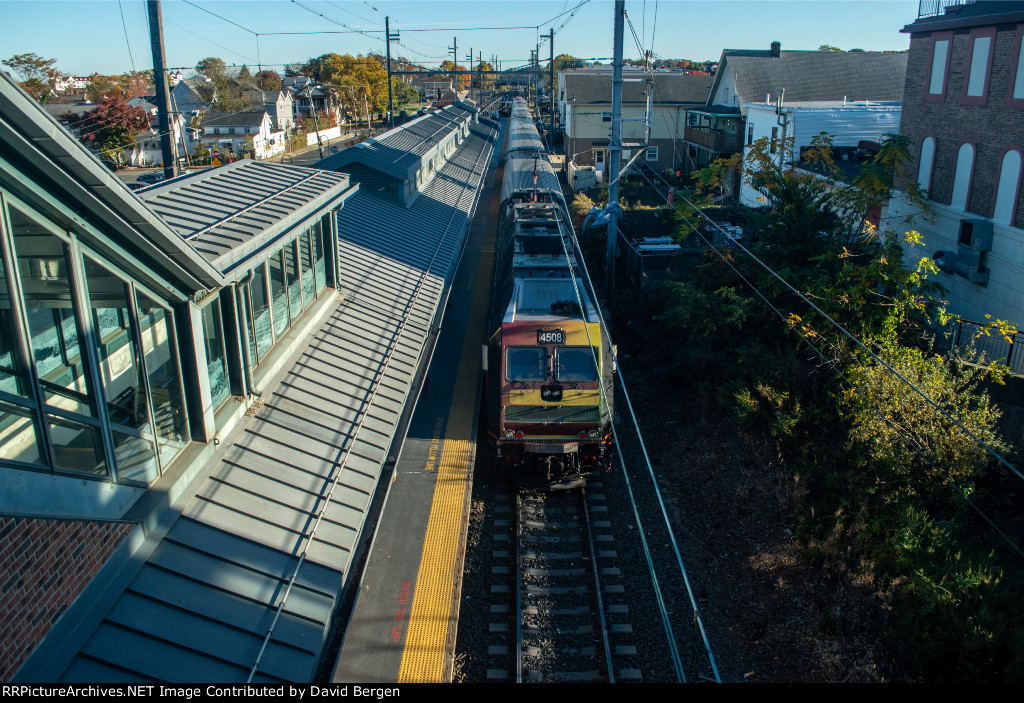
[(550, 299), (519, 172)]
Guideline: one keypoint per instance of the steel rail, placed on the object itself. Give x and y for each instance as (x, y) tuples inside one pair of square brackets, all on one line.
[(595, 576), (519, 587)]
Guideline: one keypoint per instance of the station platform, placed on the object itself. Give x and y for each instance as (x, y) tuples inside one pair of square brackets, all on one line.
[(403, 623)]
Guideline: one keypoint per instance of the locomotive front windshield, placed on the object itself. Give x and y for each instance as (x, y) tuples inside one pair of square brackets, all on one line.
[(576, 364), (525, 364)]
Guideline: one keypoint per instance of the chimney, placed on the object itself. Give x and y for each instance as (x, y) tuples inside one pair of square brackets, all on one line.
[(776, 49)]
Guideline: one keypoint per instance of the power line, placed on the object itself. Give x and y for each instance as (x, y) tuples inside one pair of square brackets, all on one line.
[(245, 29), (834, 362), (219, 46), (125, 27)]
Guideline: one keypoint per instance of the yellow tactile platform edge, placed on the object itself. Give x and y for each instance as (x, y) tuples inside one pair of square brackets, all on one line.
[(423, 654)]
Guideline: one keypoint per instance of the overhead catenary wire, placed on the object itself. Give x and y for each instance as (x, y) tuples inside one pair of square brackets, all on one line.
[(618, 446)]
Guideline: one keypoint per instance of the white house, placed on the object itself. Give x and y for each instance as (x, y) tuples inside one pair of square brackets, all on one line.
[(147, 150), (850, 124), (229, 132)]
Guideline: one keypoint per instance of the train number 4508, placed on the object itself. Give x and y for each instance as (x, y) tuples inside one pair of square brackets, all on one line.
[(550, 336)]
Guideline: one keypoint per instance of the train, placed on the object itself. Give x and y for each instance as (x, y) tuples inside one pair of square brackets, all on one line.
[(549, 359)]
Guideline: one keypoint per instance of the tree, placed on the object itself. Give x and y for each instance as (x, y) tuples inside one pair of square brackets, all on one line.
[(35, 72), (829, 47), (361, 82), (212, 67), (325, 67), (268, 80), (461, 83), (102, 86), (403, 93), (137, 84), (244, 74), (111, 127), (486, 81), (235, 96)]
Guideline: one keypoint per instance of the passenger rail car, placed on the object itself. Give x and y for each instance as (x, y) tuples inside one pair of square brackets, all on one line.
[(549, 363)]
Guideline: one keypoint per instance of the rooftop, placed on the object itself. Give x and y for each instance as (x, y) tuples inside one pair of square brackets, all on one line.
[(814, 75), (669, 88), (231, 213)]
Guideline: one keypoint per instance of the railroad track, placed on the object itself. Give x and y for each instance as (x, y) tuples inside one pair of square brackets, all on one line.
[(565, 614)]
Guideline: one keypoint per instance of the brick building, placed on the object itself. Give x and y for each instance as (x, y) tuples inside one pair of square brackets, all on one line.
[(963, 112)]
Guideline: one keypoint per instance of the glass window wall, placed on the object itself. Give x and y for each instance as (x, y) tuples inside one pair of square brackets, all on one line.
[(306, 259), (121, 375), (319, 265), (216, 361), (278, 293), (164, 378), (54, 334), (98, 354), (291, 264)]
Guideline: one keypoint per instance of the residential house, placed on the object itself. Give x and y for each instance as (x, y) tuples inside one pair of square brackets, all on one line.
[(963, 113), (587, 100), (62, 83), (230, 132), (59, 110), (433, 89), (147, 149), (315, 98), (857, 130), (280, 105), (592, 69), (192, 96), (747, 77)]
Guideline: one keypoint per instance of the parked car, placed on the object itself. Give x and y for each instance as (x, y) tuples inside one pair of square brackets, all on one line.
[(150, 178)]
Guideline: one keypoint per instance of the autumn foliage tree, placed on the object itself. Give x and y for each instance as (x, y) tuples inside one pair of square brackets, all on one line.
[(885, 473), (35, 73), (111, 127)]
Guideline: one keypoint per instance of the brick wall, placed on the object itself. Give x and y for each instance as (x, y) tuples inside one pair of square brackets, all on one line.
[(44, 565), (992, 126)]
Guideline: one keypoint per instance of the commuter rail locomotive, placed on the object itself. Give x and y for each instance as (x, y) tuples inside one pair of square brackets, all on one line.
[(549, 362)]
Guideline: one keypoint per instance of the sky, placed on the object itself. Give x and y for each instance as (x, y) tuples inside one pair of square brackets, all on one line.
[(112, 37)]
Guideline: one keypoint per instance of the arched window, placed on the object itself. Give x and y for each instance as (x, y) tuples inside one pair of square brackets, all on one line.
[(962, 176), (924, 170), (1008, 187)]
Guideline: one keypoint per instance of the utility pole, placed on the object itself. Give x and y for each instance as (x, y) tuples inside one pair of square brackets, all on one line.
[(316, 121), (551, 86), (163, 99), (470, 60), (614, 149), (455, 64), (391, 102), (535, 70)]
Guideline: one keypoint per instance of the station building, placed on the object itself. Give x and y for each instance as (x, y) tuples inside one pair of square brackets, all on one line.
[(199, 393)]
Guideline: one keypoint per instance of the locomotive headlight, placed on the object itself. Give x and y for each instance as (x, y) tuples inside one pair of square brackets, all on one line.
[(509, 434), (592, 434)]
